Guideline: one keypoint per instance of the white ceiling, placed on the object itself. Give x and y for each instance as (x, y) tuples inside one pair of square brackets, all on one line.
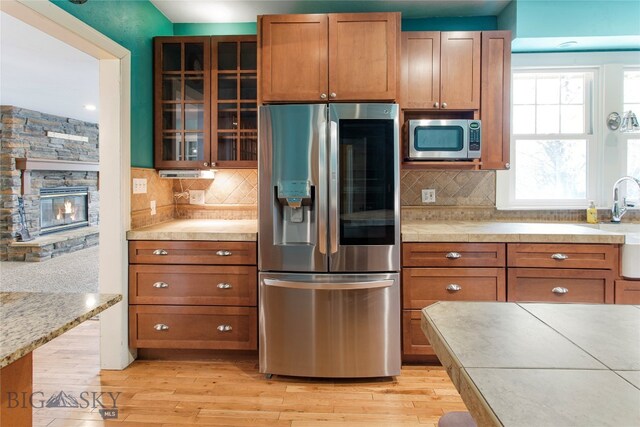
[(206, 11), (39, 72)]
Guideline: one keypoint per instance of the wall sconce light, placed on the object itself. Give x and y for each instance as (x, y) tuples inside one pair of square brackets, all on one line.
[(627, 123)]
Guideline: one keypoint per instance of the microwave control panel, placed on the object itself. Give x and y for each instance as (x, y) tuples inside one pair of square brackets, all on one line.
[(474, 135)]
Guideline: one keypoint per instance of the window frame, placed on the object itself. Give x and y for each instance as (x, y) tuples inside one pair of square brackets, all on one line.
[(608, 159)]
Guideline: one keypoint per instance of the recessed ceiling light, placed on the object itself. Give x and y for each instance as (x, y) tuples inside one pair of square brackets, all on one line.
[(90, 107), (565, 45)]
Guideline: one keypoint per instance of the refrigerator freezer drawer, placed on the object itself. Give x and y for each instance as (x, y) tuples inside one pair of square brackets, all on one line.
[(336, 326)]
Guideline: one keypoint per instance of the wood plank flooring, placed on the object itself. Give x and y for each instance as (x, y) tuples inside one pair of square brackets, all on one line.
[(178, 393)]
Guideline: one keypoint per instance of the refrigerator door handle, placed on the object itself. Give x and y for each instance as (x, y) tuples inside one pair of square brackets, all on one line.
[(333, 187), (332, 286), (322, 195)]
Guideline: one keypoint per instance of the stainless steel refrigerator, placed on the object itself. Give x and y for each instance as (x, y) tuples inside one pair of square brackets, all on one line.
[(329, 240)]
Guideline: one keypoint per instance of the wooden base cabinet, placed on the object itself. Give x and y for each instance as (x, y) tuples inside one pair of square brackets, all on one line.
[(627, 292), (445, 272), (193, 295)]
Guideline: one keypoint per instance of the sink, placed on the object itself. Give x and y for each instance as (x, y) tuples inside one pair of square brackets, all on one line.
[(630, 254)]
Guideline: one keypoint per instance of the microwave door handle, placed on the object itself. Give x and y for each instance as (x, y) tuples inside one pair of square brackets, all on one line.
[(322, 193), (333, 187)]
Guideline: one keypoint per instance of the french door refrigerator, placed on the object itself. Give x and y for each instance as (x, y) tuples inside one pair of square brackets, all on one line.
[(329, 240)]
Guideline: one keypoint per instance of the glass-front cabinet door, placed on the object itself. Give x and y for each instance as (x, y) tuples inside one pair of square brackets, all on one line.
[(235, 94), (182, 102)]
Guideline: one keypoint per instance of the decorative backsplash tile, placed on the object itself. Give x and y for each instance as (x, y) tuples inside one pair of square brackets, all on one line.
[(230, 187), (453, 188), (160, 190)]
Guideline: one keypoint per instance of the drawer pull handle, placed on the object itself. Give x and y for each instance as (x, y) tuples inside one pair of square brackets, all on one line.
[(560, 257), (224, 286), (225, 328), (453, 255), (224, 253), (559, 290), (160, 285), (160, 252), (453, 287), (161, 327)]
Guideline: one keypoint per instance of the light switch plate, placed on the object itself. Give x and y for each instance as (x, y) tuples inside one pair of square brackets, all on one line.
[(428, 195), (196, 197), (139, 185), (153, 207)]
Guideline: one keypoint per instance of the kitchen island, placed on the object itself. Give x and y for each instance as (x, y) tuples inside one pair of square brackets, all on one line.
[(27, 321), (540, 364)]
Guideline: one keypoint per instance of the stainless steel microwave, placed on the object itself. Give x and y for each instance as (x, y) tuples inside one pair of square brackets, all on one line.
[(444, 140)]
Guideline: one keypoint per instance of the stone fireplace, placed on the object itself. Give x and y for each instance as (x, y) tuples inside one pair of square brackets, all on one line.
[(49, 164)]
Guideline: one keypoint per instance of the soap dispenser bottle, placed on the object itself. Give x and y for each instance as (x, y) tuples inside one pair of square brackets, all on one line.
[(592, 213)]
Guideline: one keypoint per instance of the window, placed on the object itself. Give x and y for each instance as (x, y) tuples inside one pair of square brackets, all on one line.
[(632, 103), (552, 137)]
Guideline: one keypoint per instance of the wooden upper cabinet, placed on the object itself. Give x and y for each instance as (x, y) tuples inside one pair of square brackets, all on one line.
[(335, 57), (363, 50), (420, 69), (294, 57), (441, 70), (496, 98)]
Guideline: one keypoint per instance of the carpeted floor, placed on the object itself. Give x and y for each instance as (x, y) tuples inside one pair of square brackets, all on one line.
[(74, 272)]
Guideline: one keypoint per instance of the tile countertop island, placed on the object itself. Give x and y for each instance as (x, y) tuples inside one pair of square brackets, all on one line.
[(27, 321), (532, 364), (412, 231)]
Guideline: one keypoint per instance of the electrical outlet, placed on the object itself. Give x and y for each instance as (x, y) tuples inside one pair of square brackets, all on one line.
[(196, 197), (428, 195), (153, 207), (139, 185)]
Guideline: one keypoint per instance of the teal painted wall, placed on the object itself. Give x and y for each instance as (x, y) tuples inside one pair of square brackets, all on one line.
[(132, 24), (470, 23), (557, 18), (215, 29)]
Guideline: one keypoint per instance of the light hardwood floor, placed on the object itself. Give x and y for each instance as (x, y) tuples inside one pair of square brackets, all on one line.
[(162, 393)]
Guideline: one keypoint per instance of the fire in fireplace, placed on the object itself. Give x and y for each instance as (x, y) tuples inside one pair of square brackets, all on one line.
[(62, 208)]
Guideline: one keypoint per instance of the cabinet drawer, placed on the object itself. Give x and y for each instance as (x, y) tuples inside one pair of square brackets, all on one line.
[(193, 285), (222, 328), (627, 292), (453, 255), (424, 286), (562, 255), (414, 341), (191, 252), (556, 285)]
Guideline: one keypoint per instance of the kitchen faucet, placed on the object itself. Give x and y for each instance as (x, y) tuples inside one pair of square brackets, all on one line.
[(618, 211)]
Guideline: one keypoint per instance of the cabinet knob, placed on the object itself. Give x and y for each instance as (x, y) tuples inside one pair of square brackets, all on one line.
[(161, 327), (224, 328), (160, 285), (444, 105), (559, 290), (453, 255), (224, 253), (333, 95), (224, 286), (453, 287), (559, 257), (206, 164), (436, 105), (323, 96), (160, 252)]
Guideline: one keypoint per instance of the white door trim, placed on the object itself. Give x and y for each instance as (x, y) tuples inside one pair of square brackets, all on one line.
[(115, 160)]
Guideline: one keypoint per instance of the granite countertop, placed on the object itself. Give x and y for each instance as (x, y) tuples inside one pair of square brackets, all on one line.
[(199, 229), (31, 319), (509, 360), (509, 232), (412, 231)]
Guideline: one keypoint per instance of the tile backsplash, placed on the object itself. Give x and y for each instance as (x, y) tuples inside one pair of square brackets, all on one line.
[(453, 188), (159, 190), (230, 187)]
